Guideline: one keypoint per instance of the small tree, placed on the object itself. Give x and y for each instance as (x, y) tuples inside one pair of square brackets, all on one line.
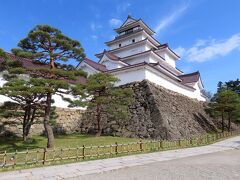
[(49, 46), (26, 103), (102, 98), (225, 103), (26, 95)]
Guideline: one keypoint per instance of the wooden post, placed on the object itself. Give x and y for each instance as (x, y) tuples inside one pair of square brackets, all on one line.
[(141, 147), (61, 154), (191, 142), (83, 152), (37, 157), (179, 142), (161, 144), (5, 158), (77, 150), (116, 148), (44, 155), (15, 159), (26, 157), (98, 151)]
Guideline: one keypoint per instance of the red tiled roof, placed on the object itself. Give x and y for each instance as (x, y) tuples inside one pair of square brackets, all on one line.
[(111, 55), (162, 46), (95, 65), (27, 63), (189, 78)]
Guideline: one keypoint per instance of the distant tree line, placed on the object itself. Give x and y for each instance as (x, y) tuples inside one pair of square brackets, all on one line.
[(225, 104)]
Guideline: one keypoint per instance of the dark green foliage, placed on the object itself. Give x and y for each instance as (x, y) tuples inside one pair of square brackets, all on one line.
[(2, 53), (232, 85), (225, 103), (26, 103), (45, 42), (9, 64), (47, 45), (102, 98)]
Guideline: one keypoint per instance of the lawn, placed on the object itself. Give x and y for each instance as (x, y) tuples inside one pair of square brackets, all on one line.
[(11, 144)]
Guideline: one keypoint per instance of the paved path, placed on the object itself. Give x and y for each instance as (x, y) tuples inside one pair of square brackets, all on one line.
[(174, 164), (224, 165)]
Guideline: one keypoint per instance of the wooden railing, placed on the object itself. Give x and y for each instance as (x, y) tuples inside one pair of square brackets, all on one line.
[(40, 157)]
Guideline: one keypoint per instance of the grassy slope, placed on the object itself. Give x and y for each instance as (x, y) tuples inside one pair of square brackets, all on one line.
[(11, 144)]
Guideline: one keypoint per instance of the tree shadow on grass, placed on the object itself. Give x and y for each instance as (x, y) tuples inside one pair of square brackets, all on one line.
[(11, 144)]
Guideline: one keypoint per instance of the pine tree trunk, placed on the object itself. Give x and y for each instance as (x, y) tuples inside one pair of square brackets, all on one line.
[(48, 128), (222, 121), (229, 122), (25, 132), (99, 127), (26, 115)]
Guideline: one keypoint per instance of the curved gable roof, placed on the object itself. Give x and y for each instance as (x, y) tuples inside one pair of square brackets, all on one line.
[(95, 65), (27, 63), (190, 78)]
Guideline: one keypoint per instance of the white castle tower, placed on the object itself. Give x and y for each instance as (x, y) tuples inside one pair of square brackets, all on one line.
[(135, 55)]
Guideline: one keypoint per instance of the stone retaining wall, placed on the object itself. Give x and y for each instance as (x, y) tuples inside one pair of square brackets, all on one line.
[(67, 121), (156, 113)]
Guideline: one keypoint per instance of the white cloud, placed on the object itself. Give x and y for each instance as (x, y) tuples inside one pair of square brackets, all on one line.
[(171, 18), (115, 22), (94, 37), (94, 26), (204, 50), (121, 8)]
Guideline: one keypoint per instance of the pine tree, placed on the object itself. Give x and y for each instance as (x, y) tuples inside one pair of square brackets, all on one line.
[(26, 104), (102, 98), (26, 98), (225, 103), (233, 85), (48, 45)]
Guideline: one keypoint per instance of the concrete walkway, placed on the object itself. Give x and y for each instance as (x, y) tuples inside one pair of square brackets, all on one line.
[(83, 169)]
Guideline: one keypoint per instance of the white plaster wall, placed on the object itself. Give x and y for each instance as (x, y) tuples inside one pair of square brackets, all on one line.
[(197, 92), (168, 58), (3, 98), (127, 41), (58, 101), (145, 73), (139, 59), (154, 59), (112, 65), (164, 81), (131, 50), (129, 76), (149, 58), (87, 69)]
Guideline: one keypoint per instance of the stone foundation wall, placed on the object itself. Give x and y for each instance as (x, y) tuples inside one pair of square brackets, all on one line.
[(67, 121), (156, 113)]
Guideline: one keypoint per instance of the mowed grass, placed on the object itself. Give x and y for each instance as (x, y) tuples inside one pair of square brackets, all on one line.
[(11, 144)]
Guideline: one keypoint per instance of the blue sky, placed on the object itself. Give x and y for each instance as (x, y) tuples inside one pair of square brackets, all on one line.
[(206, 34)]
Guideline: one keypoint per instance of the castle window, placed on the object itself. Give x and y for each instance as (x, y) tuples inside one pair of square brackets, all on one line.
[(119, 45), (133, 40)]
